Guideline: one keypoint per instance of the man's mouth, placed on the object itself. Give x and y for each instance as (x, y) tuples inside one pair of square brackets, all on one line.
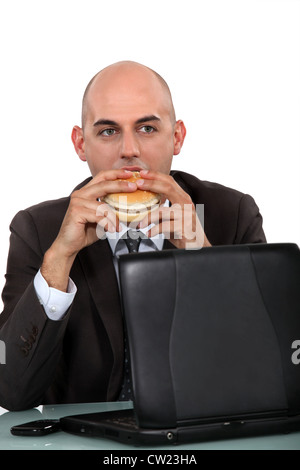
[(132, 168)]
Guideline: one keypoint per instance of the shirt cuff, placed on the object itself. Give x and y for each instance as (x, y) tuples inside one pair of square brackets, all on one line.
[(54, 301)]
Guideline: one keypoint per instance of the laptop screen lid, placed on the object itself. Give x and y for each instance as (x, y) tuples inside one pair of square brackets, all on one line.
[(210, 332)]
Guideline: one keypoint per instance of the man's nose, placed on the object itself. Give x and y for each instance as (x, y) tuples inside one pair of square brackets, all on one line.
[(129, 146)]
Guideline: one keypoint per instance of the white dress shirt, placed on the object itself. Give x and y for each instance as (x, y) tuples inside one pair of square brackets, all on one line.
[(56, 302)]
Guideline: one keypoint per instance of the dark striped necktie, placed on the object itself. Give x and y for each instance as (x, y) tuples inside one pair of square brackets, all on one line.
[(132, 240)]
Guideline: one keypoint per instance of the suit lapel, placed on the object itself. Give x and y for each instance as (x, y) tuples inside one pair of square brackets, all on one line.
[(97, 263)]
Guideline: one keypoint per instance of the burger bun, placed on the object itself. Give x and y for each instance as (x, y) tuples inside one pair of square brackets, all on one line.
[(132, 206)]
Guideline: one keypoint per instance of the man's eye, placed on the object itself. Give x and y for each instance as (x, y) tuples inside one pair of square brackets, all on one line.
[(108, 132), (147, 129)]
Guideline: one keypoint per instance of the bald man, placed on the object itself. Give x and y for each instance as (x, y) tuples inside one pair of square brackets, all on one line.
[(62, 322)]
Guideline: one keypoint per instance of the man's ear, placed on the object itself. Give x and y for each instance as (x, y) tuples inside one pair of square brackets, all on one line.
[(78, 142), (179, 136)]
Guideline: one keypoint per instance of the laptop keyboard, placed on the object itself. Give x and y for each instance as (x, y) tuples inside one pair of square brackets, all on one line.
[(124, 419)]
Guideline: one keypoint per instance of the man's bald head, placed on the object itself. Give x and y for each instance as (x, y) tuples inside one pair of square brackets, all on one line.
[(124, 69)]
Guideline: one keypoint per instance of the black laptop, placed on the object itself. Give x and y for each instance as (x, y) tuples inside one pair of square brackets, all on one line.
[(213, 342)]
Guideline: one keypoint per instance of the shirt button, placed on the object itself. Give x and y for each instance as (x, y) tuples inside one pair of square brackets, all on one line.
[(52, 309)]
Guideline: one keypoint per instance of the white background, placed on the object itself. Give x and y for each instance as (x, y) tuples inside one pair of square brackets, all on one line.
[(233, 67)]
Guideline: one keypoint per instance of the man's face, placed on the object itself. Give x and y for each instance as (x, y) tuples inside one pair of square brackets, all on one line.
[(129, 123)]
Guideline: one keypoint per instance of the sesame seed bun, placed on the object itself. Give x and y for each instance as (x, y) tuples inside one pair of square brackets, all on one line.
[(133, 206)]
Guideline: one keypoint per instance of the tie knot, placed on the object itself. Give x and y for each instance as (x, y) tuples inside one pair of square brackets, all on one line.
[(132, 239)]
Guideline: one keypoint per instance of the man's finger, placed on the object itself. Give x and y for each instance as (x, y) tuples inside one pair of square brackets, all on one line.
[(163, 213), (109, 175), (105, 211)]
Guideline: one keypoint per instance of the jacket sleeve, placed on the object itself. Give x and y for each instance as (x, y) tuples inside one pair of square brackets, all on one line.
[(249, 223), (32, 341)]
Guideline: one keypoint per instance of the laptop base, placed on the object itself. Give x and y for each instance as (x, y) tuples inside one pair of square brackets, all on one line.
[(122, 427)]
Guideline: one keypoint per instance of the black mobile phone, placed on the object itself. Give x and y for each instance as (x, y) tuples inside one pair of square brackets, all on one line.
[(40, 427)]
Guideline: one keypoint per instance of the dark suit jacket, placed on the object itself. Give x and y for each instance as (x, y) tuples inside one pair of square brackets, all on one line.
[(80, 358)]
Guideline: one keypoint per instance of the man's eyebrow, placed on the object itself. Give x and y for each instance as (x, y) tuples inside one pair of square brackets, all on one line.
[(109, 122), (147, 119), (105, 122)]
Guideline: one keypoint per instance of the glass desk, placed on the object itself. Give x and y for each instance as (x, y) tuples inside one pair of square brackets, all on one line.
[(64, 441)]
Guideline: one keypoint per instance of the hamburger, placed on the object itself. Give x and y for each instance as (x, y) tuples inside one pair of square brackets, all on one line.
[(133, 206)]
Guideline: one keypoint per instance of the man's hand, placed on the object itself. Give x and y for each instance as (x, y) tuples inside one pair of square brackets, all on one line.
[(79, 227), (180, 222)]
